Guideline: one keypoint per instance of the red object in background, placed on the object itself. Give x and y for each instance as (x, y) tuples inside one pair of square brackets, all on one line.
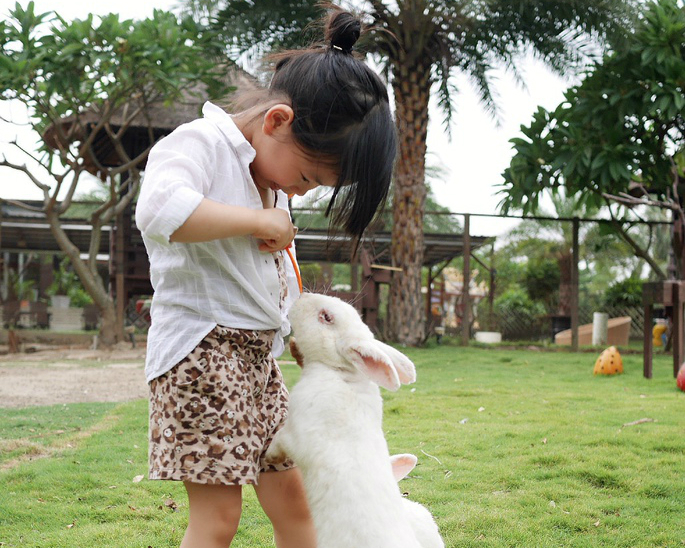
[(143, 308), (680, 379)]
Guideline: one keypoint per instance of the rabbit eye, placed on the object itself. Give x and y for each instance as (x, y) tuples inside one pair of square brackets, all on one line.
[(325, 317)]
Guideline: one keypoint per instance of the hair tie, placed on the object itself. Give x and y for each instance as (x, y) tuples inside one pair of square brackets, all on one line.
[(336, 47)]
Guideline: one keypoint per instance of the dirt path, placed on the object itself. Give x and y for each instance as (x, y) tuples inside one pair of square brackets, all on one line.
[(71, 375)]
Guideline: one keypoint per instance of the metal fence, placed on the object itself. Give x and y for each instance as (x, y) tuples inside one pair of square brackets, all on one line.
[(516, 325)]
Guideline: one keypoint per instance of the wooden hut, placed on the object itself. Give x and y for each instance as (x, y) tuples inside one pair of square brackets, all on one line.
[(122, 145)]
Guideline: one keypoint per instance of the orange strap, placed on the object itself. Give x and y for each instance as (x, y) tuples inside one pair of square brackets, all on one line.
[(292, 259), (295, 267)]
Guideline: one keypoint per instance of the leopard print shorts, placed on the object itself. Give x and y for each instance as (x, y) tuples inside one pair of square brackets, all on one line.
[(213, 416)]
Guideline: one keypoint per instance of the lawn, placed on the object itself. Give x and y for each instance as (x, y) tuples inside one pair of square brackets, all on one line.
[(517, 448)]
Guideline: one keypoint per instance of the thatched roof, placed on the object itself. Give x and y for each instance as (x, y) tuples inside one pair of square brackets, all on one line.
[(157, 117)]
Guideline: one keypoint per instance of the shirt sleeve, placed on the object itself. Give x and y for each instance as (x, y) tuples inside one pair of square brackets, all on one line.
[(176, 179)]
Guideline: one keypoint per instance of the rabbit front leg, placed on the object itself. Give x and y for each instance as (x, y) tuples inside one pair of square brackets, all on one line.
[(277, 450)]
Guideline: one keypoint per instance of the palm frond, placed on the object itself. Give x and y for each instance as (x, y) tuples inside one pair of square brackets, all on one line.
[(446, 90), (254, 28)]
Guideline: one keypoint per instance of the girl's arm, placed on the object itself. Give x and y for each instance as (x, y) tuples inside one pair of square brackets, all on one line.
[(213, 221)]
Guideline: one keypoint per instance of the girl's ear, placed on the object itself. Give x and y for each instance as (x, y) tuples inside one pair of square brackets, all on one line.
[(278, 118)]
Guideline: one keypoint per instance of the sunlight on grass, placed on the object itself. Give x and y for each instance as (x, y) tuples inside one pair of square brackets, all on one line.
[(516, 448)]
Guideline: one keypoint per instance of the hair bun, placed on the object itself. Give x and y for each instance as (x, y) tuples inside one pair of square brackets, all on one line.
[(343, 30)]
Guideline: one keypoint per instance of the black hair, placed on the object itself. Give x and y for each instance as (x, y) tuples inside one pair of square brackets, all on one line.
[(342, 117)]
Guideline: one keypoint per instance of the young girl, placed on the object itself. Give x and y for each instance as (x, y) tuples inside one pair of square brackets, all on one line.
[(213, 214)]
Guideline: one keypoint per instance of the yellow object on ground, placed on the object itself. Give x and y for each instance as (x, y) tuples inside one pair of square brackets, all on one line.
[(609, 362), (658, 332)]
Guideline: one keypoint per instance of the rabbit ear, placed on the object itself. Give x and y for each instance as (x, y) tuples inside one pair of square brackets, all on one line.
[(404, 366), (374, 363), (402, 465)]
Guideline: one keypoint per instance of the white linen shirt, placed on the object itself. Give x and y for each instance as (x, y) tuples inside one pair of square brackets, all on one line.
[(228, 282)]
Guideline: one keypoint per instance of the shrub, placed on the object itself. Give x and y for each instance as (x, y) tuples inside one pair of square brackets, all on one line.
[(67, 282), (518, 300), (542, 278), (627, 292)]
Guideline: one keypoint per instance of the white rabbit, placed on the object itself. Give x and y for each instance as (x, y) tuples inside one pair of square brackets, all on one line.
[(421, 520), (334, 427)]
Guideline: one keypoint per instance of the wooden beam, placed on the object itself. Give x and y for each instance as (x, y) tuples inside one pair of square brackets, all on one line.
[(383, 267)]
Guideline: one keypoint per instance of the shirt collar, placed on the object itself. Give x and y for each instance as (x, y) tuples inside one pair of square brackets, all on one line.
[(227, 126)]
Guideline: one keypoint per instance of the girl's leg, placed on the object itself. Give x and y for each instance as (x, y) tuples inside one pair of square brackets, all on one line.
[(214, 515), (282, 496)]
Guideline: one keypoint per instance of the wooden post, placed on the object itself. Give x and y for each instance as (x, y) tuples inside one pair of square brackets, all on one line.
[(574, 287), (429, 299), (492, 288), (678, 296), (647, 347), (466, 298)]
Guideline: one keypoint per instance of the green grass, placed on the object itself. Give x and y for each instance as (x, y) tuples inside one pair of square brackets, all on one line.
[(38, 431), (516, 448)]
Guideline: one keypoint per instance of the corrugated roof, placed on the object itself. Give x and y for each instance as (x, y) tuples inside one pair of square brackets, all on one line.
[(27, 231)]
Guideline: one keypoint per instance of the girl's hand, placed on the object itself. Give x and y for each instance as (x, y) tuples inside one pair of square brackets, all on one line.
[(274, 229), (213, 221)]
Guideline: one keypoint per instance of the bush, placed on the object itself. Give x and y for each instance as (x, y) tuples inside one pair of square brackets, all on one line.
[(518, 316), (542, 278), (627, 292), (517, 300), (67, 282)]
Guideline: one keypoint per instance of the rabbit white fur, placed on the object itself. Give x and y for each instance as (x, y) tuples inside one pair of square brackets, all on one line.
[(420, 519), (334, 427)]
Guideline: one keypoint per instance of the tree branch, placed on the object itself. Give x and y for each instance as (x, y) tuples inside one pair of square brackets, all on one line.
[(66, 202), (24, 206), (626, 199), (45, 188), (27, 153), (639, 251), (8, 121), (94, 245), (131, 164), (130, 195)]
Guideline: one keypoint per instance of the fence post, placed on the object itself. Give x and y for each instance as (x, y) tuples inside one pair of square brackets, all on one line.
[(574, 287), (466, 297), (600, 328)]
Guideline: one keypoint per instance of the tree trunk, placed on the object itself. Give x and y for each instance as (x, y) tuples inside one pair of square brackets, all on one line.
[(565, 261), (411, 86), (110, 332), (12, 341)]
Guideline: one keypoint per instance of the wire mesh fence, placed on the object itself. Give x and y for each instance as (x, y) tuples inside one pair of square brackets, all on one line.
[(521, 325)]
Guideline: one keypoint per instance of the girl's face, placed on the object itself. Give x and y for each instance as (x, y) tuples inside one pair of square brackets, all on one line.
[(279, 163)]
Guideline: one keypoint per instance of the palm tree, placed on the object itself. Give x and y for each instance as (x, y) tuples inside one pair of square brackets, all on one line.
[(426, 42), (421, 44)]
